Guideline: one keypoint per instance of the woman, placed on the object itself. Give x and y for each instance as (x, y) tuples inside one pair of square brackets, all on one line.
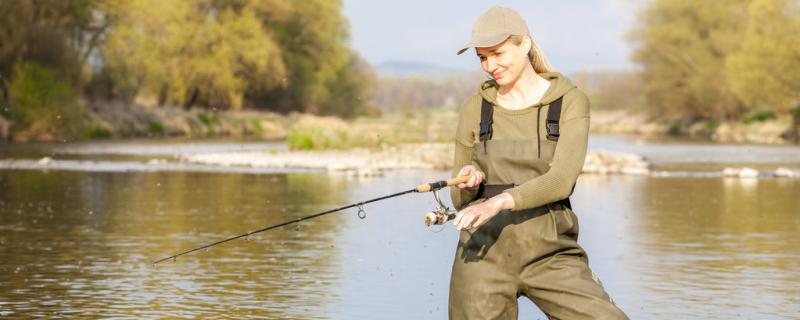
[(522, 141)]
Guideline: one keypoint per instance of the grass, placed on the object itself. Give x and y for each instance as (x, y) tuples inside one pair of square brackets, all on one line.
[(320, 133)]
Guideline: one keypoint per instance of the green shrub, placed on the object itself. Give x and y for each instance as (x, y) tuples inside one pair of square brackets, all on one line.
[(257, 128), (711, 124), (759, 117), (44, 102), (97, 133), (155, 128), (208, 119)]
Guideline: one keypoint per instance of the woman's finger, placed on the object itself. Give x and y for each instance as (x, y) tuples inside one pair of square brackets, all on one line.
[(458, 218), (467, 222), (478, 222), (471, 181), (478, 178), (466, 170)]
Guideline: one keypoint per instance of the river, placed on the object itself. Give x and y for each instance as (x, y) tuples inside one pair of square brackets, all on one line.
[(81, 242)]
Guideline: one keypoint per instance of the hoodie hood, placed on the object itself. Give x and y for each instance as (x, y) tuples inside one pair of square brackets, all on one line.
[(559, 86)]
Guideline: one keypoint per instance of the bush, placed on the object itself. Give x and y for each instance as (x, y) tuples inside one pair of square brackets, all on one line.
[(155, 128), (97, 133), (44, 104), (759, 117)]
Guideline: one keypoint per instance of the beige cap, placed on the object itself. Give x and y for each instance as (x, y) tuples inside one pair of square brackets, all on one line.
[(495, 26)]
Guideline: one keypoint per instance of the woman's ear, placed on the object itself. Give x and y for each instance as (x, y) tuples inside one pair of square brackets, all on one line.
[(526, 45)]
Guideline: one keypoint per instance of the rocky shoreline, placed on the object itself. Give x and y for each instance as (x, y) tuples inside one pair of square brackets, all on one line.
[(368, 163), (425, 156)]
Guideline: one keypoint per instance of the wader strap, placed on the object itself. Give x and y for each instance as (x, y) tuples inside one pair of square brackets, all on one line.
[(486, 120), (553, 115), (491, 190)]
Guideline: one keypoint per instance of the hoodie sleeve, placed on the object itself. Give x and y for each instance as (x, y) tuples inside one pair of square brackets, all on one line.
[(468, 119), (568, 159)]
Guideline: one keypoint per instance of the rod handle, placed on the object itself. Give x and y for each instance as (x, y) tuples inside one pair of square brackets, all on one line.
[(425, 187)]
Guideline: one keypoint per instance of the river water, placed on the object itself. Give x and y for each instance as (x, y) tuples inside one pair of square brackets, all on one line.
[(81, 242)]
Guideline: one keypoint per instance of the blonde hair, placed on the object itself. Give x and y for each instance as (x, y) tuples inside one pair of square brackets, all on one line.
[(536, 55)]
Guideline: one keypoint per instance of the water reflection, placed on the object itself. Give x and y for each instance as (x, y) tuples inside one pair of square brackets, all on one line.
[(82, 243), (710, 248)]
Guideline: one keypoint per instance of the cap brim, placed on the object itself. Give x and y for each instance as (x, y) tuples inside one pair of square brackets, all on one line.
[(485, 40)]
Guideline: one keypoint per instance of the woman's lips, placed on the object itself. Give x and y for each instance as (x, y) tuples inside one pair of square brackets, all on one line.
[(497, 75)]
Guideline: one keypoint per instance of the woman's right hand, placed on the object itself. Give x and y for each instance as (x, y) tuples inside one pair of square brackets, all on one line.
[(475, 177)]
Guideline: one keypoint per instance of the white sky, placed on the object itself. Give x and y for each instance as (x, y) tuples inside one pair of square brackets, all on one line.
[(575, 35)]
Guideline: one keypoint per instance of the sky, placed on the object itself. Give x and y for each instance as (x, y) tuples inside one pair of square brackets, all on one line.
[(575, 35)]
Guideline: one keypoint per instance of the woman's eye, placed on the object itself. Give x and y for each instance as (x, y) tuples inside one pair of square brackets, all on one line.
[(482, 58)]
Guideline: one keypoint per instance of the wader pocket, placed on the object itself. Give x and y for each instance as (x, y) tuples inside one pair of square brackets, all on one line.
[(565, 222)]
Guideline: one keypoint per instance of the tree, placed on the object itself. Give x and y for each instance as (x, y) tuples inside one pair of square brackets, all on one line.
[(313, 37), (59, 35), (203, 52), (682, 47), (765, 72)]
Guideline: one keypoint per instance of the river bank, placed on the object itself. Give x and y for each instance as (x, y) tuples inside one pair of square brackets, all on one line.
[(607, 156), (774, 129), (118, 120)]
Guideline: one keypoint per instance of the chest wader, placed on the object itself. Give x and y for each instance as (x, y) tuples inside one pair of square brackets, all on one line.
[(532, 252)]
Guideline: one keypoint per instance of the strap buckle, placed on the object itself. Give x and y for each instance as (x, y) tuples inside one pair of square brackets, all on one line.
[(552, 130)]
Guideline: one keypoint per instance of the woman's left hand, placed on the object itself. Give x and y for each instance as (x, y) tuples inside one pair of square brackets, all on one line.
[(475, 216)]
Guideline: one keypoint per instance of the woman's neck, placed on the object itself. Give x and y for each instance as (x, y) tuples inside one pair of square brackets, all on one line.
[(526, 91)]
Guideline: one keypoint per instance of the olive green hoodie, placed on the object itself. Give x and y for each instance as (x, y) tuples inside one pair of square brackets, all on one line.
[(567, 155)]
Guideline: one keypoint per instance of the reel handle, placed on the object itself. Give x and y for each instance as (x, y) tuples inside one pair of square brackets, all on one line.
[(425, 187)]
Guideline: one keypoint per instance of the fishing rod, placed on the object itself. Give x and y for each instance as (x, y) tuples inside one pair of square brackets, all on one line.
[(439, 215)]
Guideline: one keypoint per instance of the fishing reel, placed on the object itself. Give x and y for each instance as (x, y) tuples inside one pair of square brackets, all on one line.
[(441, 214)]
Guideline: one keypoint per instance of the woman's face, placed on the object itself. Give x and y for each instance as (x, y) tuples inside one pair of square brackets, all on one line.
[(503, 62)]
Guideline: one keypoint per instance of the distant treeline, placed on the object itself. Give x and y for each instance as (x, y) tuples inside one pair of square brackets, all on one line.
[(272, 55), (411, 93)]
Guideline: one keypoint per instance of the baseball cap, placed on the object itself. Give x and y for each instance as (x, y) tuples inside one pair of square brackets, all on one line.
[(495, 26)]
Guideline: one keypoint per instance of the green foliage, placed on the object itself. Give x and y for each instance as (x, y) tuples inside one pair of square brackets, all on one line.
[(711, 124), (208, 118), (155, 128), (190, 52), (682, 47), (97, 133), (290, 56), (301, 139), (257, 127), (226, 54), (44, 104), (719, 59), (765, 73), (759, 117)]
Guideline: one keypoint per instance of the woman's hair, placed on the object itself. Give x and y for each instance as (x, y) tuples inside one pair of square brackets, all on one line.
[(536, 55)]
